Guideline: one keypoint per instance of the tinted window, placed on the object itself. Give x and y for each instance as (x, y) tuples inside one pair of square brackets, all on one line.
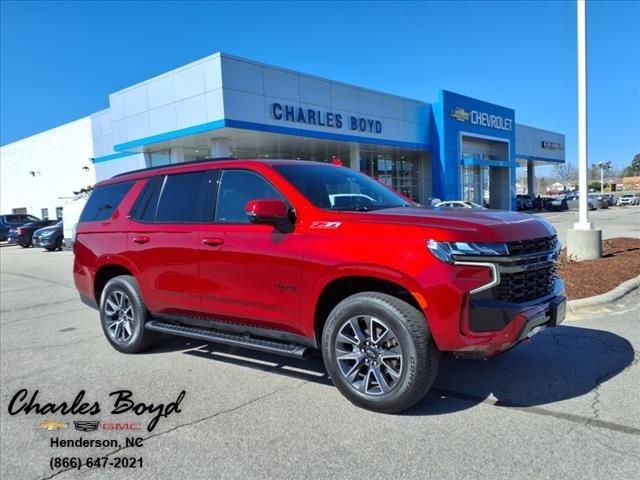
[(13, 219), (237, 187), (339, 188), (182, 197), (147, 203), (103, 202)]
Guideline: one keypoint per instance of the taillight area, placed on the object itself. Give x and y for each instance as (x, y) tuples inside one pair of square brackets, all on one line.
[(21, 231)]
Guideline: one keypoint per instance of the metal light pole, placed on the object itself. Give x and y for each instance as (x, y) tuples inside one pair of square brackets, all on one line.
[(583, 242), (583, 218)]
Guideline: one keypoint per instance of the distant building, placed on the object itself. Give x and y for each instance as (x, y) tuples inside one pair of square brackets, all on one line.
[(631, 183)]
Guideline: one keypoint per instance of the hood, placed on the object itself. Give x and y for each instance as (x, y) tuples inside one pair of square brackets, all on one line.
[(40, 231), (471, 225)]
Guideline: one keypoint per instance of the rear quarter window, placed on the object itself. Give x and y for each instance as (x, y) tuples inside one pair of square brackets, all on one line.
[(103, 202)]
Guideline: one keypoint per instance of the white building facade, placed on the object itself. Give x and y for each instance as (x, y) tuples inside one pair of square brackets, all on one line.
[(224, 105), (39, 174)]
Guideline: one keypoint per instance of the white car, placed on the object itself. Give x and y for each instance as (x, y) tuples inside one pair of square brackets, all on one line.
[(341, 199), (628, 199), (457, 204)]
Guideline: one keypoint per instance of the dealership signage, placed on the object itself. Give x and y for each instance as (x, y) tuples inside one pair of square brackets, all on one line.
[(324, 118), (552, 145), (483, 119)]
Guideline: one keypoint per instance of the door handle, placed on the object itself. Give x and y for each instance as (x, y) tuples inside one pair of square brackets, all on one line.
[(213, 242), (141, 239)]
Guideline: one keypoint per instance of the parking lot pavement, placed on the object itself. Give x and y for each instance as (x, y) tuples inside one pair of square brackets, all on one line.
[(564, 405), (613, 221)]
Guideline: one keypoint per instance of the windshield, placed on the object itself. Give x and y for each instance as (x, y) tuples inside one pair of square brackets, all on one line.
[(339, 188)]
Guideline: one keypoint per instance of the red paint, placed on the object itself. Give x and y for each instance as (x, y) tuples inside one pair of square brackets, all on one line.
[(256, 274)]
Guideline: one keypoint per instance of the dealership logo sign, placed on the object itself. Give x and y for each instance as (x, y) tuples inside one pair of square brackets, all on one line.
[(482, 119), (52, 425), (86, 425), (552, 145), (323, 118), (460, 114)]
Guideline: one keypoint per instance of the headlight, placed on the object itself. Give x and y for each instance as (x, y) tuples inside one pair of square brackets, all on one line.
[(47, 233), (446, 250)]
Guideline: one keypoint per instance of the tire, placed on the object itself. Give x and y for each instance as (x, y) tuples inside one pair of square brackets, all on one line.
[(25, 245), (49, 249), (124, 326), (406, 359)]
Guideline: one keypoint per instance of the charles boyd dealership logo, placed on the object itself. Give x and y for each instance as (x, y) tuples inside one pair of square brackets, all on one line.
[(26, 402)]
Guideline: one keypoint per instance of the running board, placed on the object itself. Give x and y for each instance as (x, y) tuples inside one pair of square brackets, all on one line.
[(235, 339)]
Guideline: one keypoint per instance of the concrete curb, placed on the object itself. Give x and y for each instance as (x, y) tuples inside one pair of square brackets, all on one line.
[(574, 306)]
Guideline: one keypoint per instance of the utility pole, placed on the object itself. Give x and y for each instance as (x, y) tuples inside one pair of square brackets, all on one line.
[(583, 241), (603, 166)]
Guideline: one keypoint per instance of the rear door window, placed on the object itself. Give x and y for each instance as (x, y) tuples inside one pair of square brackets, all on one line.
[(182, 197), (104, 201)]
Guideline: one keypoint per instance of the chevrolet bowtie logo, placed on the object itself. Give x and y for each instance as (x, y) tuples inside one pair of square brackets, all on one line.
[(52, 425), (460, 114)]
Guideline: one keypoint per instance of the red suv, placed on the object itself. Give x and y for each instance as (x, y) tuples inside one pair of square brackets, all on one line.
[(287, 256)]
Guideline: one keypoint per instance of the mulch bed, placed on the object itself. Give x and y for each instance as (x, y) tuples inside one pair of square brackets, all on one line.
[(620, 262)]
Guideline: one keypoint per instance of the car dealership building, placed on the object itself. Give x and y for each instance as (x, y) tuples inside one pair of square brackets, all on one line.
[(455, 148)]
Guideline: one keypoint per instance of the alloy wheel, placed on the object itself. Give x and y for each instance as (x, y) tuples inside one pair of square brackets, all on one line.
[(369, 355), (120, 316)]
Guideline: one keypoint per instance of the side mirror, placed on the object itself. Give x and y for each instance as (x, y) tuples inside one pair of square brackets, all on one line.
[(271, 211)]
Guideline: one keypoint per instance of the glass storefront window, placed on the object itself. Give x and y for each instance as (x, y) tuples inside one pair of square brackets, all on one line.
[(400, 170), (193, 154), (159, 157)]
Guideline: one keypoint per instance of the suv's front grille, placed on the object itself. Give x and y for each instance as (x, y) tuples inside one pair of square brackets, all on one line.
[(528, 278), (533, 245), (526, 285)]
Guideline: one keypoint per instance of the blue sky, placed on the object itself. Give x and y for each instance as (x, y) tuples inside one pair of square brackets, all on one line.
[(60, 60)]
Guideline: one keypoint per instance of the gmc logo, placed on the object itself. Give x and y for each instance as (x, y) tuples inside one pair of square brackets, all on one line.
[(121, 426)]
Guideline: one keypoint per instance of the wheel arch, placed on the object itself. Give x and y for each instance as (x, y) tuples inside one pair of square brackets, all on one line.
[(337, 289), (109, 268)]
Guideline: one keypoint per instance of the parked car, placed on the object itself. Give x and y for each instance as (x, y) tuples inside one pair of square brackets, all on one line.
[(11, 220), (49, 238), (253, 254), (556, 204), (457, 204), (599, 200), (573, 201), (23, 235), (629, 199), (610, 198), (526, 201)]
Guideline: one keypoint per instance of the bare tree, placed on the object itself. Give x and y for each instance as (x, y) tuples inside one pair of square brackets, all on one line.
[(563, 172)]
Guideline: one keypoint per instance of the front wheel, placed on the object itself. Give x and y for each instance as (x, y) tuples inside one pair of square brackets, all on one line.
[(379, 352), (123, 316)]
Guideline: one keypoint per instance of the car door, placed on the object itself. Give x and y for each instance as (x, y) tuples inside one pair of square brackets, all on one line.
[(163, 240), (249, 273)]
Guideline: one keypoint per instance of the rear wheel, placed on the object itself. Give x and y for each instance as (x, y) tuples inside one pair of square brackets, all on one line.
[(123, 316), (379, 352)]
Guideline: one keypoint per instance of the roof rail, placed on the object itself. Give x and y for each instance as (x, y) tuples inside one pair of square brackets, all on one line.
[(148, 169)]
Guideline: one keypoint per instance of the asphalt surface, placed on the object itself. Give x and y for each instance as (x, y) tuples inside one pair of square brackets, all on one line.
[(613, 221), (564, 405)]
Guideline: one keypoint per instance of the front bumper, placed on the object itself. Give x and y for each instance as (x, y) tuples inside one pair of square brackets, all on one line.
[(494, 327), (44, 242)]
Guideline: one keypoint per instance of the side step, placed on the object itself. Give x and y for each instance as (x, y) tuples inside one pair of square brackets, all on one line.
[(236, 339)]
